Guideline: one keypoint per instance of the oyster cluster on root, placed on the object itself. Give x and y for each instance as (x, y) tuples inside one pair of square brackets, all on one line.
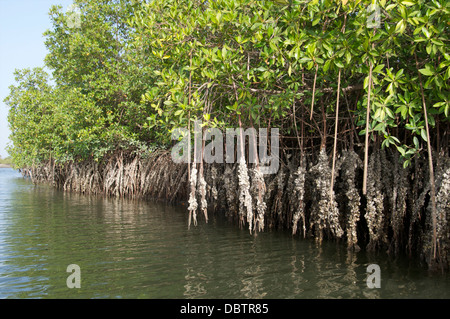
[(443, 216), (213, 192), (398, 201), (198, 187), (258, 190), (231, 185), (202, 190), (245, 199), (193, 205), (325, 213), (277, 202), (350, 163), (299, 193), (442, 231), (375, 202)]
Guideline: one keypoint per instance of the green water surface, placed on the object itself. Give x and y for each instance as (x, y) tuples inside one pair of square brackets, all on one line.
[(139, 249)]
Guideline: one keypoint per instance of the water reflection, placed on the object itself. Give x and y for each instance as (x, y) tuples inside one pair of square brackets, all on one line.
[(137, 249)]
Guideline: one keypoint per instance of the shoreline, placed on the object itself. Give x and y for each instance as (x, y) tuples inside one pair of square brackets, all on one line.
[(393, 216), (5, 166)]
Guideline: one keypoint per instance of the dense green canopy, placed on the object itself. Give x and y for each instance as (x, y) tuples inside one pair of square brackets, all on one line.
[(132, 71)]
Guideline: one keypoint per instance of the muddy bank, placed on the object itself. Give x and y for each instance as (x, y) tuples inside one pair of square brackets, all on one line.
[(394, 215), (5, 166)]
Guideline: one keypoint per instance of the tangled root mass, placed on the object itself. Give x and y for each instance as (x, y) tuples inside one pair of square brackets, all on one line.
[(394, 215)]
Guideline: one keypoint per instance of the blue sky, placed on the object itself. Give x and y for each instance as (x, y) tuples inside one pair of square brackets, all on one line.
[(22, 23)]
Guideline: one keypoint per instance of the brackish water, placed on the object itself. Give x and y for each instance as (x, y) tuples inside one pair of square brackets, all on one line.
[(138, 249)]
